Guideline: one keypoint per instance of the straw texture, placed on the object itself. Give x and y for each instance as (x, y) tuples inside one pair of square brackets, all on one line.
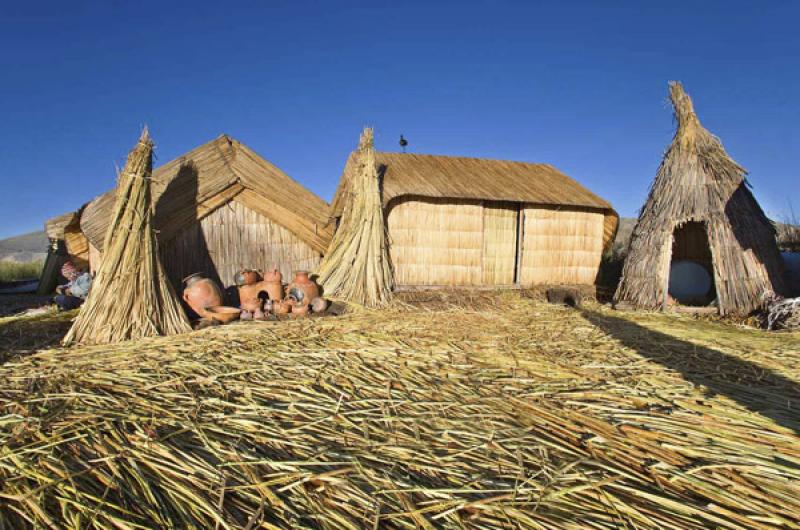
[(216, 167), (131, 297), (561, 246), (356, 267), (699, 182), (480, 412)]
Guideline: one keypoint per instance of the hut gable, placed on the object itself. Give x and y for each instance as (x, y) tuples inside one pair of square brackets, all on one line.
[(700, 198), (190, 187)]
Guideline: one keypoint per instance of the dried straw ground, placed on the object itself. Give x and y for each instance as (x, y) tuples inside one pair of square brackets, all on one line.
[(510, 414)]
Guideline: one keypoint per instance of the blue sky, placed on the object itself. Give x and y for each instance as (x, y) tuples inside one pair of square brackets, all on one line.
[(580, 85)]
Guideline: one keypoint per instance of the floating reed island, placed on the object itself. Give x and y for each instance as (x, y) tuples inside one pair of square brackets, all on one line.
[(503, 413), (701, 209)]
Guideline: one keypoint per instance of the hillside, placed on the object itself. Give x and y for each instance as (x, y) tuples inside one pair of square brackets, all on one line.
[(25, 248)]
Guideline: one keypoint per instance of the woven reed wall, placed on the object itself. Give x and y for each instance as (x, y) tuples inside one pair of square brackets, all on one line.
[(95, 258), (561, 246), (233, 237), (500, 221), (77, 246), (436, 241)]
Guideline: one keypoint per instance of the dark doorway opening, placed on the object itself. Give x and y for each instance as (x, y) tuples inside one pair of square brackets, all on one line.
[(691, 276)]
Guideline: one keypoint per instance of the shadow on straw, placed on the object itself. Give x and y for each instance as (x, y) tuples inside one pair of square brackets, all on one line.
[(754, 387)]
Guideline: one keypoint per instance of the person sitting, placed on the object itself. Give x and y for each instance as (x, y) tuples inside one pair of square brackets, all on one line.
[(71, 295)]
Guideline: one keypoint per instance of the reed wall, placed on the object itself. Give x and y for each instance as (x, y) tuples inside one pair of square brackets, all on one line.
[(77, 246), (436, 241), (561, 246), (231, 238), (456, 242)]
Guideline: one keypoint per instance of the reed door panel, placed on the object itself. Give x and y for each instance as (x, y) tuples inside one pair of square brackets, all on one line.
[(560, 246), (499, 242), (436, 241)]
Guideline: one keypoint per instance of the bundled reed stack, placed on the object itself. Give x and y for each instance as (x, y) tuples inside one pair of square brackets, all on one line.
[(700, 208), (357, 267), (131, 297)]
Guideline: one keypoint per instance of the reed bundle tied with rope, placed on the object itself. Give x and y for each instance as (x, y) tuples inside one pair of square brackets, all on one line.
[(131, 297), (357, 267)]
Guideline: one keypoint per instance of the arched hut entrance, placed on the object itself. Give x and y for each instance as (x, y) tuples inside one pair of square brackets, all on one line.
[(691, 275)]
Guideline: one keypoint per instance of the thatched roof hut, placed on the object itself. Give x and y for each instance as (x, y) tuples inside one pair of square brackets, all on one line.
[(221, 207), (700, 209), (67, 242), (456, 221)]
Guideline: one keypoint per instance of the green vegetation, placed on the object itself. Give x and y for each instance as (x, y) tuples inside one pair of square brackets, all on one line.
[(11, 270)]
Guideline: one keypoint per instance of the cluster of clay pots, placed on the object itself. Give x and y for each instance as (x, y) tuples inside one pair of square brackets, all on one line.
[(262, 294)]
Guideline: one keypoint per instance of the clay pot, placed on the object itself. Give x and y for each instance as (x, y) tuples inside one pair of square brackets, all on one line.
[(303, 289), (272, 284), (273, 276), (281, 308), (299, 311), (223, 314), (319, 305), (201, 293), (248, 297), (247, 277)]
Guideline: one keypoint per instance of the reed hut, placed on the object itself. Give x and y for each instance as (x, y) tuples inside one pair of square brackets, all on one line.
[(221, 207), (455, 221), (700, 209), (67, 242)]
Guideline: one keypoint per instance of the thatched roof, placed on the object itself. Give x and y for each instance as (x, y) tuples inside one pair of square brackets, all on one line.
[(699, 182), (476, 178), (55, 226), (193, 185), (455, 177)]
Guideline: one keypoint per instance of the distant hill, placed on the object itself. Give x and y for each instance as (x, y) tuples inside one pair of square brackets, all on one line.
[(25, 248)]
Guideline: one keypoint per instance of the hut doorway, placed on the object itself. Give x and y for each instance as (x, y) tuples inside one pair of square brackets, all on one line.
[(691, 277)]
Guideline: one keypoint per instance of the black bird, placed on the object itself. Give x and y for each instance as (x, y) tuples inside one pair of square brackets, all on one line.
[(403, 143)]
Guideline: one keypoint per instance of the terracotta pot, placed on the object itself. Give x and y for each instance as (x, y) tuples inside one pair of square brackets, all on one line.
[(247, 277), (248, 297), (299, 311), (281, 308), (223, 314), (274, 289), (272, 284), (201, 293), (319, 305), (273, 276), (303, 289)]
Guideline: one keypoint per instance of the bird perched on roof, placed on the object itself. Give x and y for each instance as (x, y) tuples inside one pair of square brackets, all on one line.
[(403, 143)]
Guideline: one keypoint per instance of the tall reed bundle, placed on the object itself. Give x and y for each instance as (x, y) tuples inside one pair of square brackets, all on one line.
[(131, 297), (357, 267)]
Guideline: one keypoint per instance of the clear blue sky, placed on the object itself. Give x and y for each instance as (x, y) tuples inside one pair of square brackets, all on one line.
[(580, 85)]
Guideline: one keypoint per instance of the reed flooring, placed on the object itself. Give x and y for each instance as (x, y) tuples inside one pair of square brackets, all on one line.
[(448, 410)]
